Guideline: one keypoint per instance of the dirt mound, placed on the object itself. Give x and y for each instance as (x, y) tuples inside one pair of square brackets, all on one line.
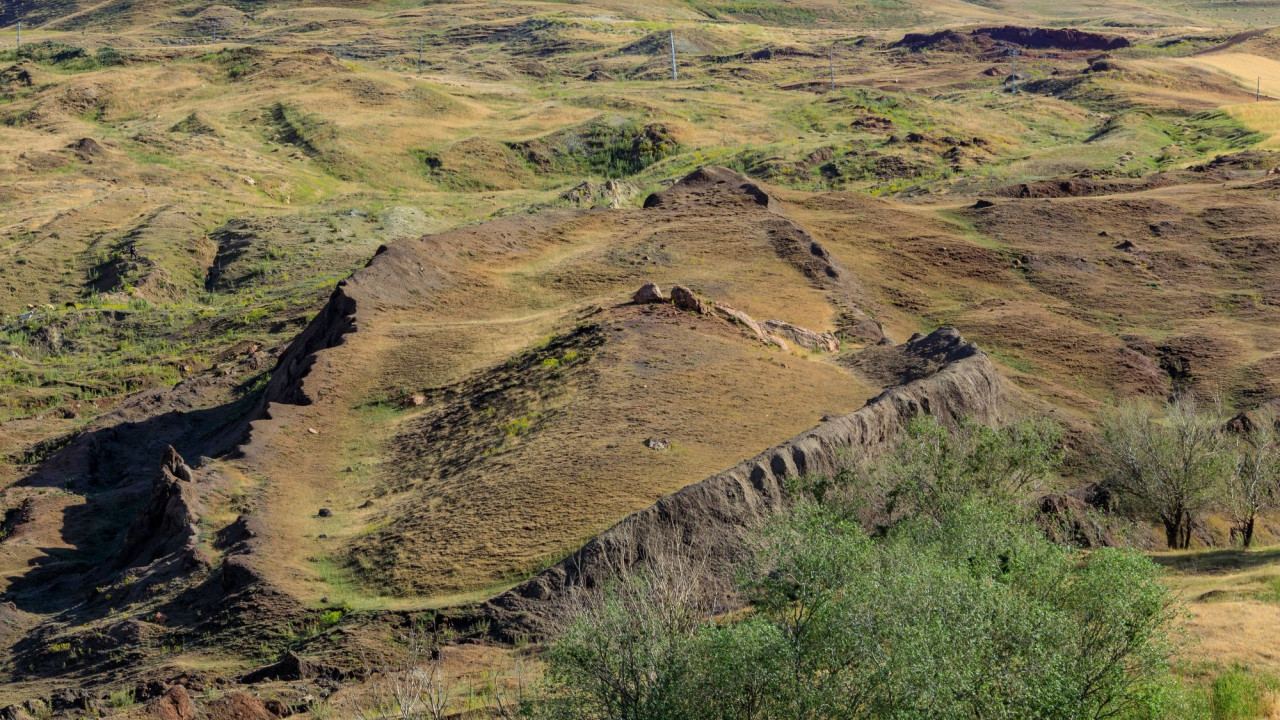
[(1256, 161), (87, 149), (723, 188), (1085, 187), (195, 124), (714, 517), (18, 75), (499, 407), (985, 39), (162, 256), (543, 37), (253, 63), (695, 187), (475, 164), (771, 52)]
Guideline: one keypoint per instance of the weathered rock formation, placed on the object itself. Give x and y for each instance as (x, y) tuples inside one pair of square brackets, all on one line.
[(648, 293), (166, 527), (797, 335), (714, 518), (770, 332), (685, 299)]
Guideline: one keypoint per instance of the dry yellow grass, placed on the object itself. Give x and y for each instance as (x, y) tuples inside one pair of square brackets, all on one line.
[(1264, 117), (1233, 600), (1245, 68)]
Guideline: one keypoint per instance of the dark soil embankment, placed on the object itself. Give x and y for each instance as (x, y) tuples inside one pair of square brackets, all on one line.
[(1030, 38)]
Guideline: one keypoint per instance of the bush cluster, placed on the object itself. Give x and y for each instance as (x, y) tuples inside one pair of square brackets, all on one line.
[(957, 607)]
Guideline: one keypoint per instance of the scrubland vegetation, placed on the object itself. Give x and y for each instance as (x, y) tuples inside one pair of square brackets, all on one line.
[(922, 585)]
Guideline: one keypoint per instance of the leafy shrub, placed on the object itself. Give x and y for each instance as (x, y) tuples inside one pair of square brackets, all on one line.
[(519, 426), (330, 618), (48, 51), (122, 699), (108, 56), (960, 609), (934, 468), (974, 614)]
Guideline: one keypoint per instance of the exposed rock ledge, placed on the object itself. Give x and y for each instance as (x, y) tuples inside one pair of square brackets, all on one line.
[(713, 518)]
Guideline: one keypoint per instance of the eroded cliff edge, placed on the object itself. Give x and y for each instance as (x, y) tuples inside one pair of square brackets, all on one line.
[(713, 519)]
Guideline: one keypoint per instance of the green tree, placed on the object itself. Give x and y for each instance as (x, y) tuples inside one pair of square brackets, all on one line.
[(1169, 468), (1253, 485), (960, 610), (936, 467)]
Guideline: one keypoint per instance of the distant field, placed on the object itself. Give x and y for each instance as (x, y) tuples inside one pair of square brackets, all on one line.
[(1251, 72), (1246, 68)]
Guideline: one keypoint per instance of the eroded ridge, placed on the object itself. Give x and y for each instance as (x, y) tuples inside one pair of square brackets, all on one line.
[(712, 519)]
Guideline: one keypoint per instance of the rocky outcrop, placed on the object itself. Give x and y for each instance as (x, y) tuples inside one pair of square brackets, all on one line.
[(771, 332), (325, 331), (749, 323), (802, 337), (714, 518), (176, 466), (685, 299), (610, 193), (1083, 517), (175, 704), (165, 528), (648, 293)]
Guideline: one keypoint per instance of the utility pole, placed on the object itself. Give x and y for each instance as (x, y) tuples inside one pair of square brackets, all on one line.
[(1258, 97), (1014, 51), (422, 43), (832, 58), (675, 73), (19, 33)]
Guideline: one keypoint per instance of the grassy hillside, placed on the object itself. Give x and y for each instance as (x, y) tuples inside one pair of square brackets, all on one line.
[(183, 187)]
